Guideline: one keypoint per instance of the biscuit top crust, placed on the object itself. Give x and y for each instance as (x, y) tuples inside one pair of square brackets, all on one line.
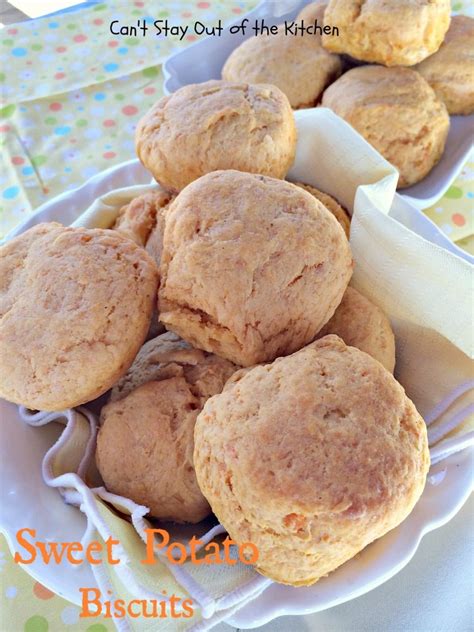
[(217, 125), (75, 306)]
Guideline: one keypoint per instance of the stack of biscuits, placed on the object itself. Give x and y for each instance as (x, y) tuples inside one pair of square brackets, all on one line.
[(246, 377), (414, 66)]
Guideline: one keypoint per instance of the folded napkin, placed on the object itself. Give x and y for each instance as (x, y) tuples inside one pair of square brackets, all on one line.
[(402, 265)]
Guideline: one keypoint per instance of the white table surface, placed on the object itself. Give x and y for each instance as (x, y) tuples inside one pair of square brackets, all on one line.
[(434, 593)]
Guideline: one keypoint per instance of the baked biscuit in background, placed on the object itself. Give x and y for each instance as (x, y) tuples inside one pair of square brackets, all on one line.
[(362, 324), (217, 125), (397, 112), (392, 33), (75, 306), (299, 66), (311, 458), (146, 441), (313, 11), (252, 267), (450, 71), (331, 204)]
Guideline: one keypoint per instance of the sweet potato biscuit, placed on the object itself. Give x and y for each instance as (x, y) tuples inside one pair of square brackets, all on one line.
[(145, 444), (217, 125), (450, 71), (388, 32), (252, 267), (311, 458), (75, 306), (299, 66), (397, 112), (331, 204)]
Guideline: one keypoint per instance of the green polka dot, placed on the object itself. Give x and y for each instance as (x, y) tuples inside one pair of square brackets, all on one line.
[(36, 624), (100, 7), (132, 41), (163, 14), (81, 122), (96, 627), (7, 42), (2, 76), (100, 78), (136, 12), (457, 6), (119, 97), (454, 193), (150, 72), (50, 120), (7, 111), (39, 160), (71, 27), (36, 47)]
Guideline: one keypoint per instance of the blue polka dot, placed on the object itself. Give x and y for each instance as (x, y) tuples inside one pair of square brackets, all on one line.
[(60, 131), (27, 171), (53, 25), (110, 67), (100, 96), (67, 169), (19, 52), (11, 193), (123, 50), (470, 194)]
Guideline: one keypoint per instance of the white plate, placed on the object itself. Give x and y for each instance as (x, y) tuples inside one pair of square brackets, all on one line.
[(204, 60), (25, 501)]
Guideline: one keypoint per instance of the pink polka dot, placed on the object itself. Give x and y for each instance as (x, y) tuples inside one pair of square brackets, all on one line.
[(149, 90), (203, 5), (190, 38), (59, 75), (12, 31), (109, 123), (236, 10), (139, 4), (129, 110), (55, 106), (109, 154), (458, 219), (98, 21), (79, 38), (113, 43), (4, 128), (61, 49), (17, 160), (186, 14)]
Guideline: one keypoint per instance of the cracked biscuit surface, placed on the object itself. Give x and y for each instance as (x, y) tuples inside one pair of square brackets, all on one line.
[(146, 441), (397, 112), (299, 66), (311, 458), (331, 204), (75, 306), (450, 71), (252, 267), (388, 32), (217, 125), (362, 324)]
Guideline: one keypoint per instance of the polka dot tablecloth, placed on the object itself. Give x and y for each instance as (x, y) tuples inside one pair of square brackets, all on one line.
[(71, 96)]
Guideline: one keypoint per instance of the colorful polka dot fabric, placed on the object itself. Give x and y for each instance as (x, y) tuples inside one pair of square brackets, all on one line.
[(71, 95)]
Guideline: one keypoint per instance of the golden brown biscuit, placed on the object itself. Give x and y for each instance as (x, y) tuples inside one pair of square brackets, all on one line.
[(331, 204), (75, 306), (450, 71), (137, 219), (252, 267), (388, 32), (362, 324), (397, 112), (217, 125), (145, 444), (299, 66), (311, 458)]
